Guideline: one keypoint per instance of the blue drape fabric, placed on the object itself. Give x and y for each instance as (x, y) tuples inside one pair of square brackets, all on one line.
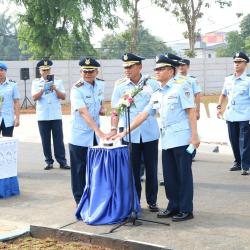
[(9, 187), (107, 197)]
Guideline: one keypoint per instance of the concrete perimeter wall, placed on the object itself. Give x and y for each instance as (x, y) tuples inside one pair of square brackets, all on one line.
[(209, 72)]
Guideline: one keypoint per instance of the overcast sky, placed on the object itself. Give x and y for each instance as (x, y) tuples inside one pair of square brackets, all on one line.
[(165, 26)]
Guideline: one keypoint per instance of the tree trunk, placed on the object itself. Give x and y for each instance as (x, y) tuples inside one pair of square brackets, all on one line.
[(135, 24)]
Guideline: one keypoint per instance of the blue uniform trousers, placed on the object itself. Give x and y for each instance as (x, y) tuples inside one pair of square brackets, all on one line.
[(178, 179), (54, 127), (239, 136), (8, 132), (149, 150), (78, 161)]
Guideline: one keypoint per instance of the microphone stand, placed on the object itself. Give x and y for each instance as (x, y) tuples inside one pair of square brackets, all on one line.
[(26, 99), (132, 217)]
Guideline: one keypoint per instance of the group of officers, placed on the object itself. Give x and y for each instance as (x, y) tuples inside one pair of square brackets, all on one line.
[(173, 94)]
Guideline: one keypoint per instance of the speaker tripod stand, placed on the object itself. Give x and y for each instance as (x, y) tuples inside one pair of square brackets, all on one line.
[(132, 217), (26, 100)]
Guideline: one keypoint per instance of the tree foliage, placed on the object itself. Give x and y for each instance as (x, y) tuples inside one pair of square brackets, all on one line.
[(114, 46), (245, 26), (237, 40), (234, 43), (8, 38), (189, 12), (54, 28)]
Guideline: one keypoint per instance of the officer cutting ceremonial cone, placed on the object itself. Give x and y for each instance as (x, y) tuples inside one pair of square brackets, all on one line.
[(175, 104), (144, 139), (86, 105)]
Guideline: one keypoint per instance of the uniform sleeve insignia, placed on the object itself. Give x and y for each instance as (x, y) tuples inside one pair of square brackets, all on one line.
[(79, 84), (179, 81)]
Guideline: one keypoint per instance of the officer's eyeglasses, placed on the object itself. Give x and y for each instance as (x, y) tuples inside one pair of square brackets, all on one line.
[(160, 69)]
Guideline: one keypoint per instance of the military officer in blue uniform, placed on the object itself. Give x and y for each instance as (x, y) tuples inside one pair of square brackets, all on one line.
[(9, 103), (178, 125), (237, 113), (145, 138), (183, 75), (47, 94), (86, 104)]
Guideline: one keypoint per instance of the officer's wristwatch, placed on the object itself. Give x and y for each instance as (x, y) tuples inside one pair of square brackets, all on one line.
[(218, 106)]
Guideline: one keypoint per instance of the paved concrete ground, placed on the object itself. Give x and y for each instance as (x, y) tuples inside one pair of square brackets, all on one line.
[(221, 203)]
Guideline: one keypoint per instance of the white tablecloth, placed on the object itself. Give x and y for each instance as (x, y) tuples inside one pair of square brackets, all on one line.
[(8, 157)]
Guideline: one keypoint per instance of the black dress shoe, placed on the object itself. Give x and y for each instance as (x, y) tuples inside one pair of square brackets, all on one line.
[(48, 167), (235, 167), (64, 167), (153, 208), (182, 216), (166, 214), (162, 183), (245, 172)]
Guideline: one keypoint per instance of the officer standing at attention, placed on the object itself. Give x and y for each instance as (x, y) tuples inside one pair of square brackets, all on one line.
[(237, 113), (47, 94), (178, 126), (9, 103), (86, 104), (145, 138)]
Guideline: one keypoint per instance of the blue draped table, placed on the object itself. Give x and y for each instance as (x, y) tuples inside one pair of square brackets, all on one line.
[(107, 195), (8, 167)]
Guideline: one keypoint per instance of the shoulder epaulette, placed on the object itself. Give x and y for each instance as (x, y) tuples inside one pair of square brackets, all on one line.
[(229, 75), (118, 82), (193, 76), (248, 74), (99, 79), (179, 81), (79, 84), (10, 80)]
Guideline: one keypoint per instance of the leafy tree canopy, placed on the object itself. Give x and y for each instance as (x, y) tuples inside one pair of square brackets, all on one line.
[(245, 26), (234, 43), (8, 38), (54, 28), (114, 46)]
